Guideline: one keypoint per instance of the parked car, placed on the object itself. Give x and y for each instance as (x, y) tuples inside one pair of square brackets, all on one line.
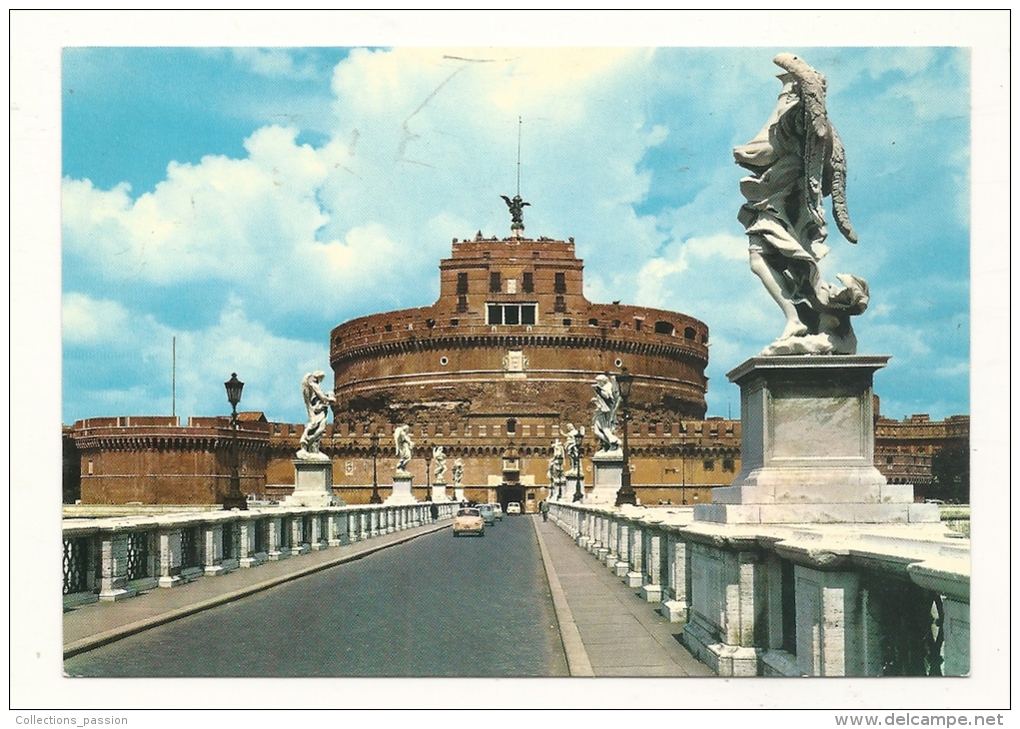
[(498, 508), (468, 521), (488, 513), (513, 508)]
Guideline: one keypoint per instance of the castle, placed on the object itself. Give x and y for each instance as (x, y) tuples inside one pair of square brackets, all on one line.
[(494, 371)]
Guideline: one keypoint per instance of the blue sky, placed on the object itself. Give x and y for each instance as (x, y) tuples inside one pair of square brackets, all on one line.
[(245, 201)]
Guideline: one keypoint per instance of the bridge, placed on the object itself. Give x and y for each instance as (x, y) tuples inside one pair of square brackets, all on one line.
[(594, 591)]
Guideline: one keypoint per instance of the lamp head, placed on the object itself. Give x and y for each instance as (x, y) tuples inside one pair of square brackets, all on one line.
[(234, 387), (625, 380)]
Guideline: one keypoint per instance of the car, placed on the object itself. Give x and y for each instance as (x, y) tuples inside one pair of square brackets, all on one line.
[(513, 508), (468, 520), (498, 508), (488, 513)]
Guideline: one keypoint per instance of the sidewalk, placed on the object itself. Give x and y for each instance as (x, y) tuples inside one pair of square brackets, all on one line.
[(91, 626), (607, 630)]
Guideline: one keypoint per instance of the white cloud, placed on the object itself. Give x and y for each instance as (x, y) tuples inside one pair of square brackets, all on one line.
[(273, 63), (85, 320), (105, 332)]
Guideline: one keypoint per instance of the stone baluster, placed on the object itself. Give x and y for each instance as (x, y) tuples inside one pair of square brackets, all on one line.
[(318, 538), (113, 552), (651, 590), (170, 556), (246, 543), (622, 566), (212, 548), (613, 543), (675, 604), (602, 544), (275, 546), (337, 528), (299, 541), (635, 577), (720, 622)]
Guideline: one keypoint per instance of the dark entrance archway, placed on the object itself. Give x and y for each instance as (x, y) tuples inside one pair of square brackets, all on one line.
[(505, 493)]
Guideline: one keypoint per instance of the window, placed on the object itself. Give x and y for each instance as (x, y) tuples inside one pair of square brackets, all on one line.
[(511, 426), (593, 322), (637, 324), (567, 322), (689, 333), (511, 314), (462, 304), (561, 283), (709, 465), (454, 322), (462, 284), (561, 305), (728, 465), (495, 285), (528, 284), (664, 327)]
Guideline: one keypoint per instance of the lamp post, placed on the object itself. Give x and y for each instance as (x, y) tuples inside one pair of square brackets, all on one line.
[(376, 499), (578, 493), (626, 493), (234, 498), (428, 471), (683, 463)]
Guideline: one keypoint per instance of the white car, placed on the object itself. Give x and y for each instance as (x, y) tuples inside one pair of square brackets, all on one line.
[(468, 521), (513, 508), (498, 509)]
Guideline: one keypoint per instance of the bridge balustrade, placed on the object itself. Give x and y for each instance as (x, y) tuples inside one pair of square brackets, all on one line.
[(114, 558), (861, 600)]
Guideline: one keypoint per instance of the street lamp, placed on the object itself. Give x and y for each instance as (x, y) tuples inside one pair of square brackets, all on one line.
[(234, 498), (376, 498), (428, 471), (626, 493), (578, 493), (683, 463)]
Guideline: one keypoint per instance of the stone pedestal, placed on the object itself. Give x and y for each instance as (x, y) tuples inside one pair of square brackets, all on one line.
[(807, 453), (439, 493), (458, 494), (313, 484), (608, 477), (401, 490)]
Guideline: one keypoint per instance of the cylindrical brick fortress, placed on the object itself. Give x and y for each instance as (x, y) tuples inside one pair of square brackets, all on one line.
[(512, 337)]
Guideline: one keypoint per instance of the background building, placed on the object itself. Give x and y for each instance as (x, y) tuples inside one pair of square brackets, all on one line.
[(494, 372)]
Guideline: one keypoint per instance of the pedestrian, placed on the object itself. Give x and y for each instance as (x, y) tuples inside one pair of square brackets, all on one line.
[(543, 508), (434, 511)]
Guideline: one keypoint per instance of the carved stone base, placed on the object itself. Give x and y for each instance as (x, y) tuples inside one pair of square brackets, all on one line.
[(401, 490), (608, 477), (313, 484), (807, 453)]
